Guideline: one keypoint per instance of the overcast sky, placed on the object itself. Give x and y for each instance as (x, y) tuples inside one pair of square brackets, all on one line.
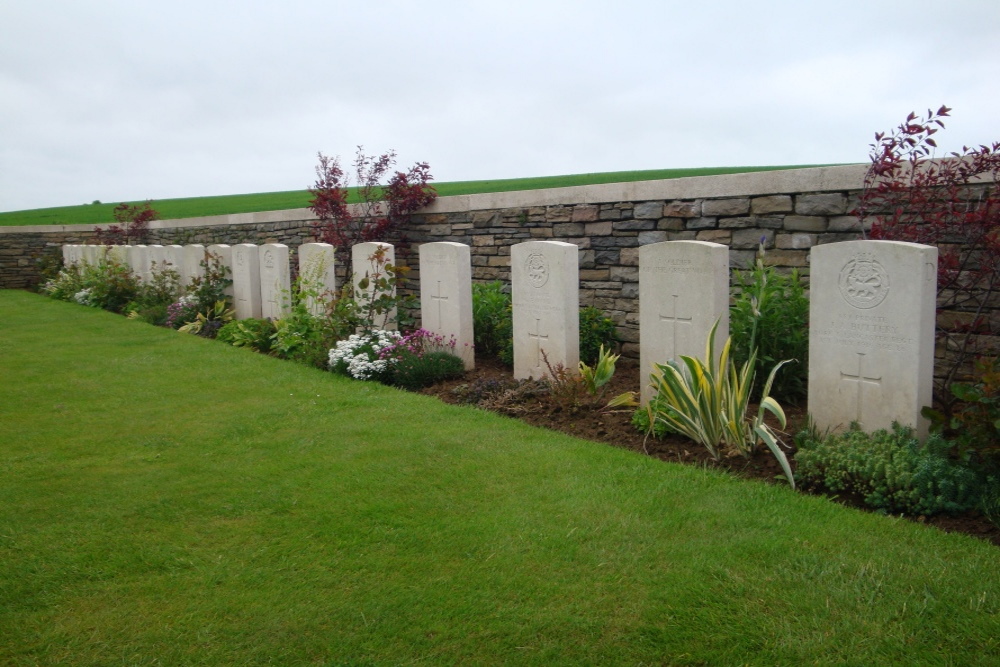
[(127, 99)]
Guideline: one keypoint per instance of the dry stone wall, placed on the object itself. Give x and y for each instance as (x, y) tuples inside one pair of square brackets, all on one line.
[(789, 211)]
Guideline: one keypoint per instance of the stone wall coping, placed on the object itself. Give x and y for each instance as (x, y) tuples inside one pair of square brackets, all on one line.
[(785, 181)]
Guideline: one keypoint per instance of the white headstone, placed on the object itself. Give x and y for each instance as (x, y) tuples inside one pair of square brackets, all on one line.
[(67, 254), (275, 281), (364, 266), (191, 267), (871, 334), (446, 295), (173, 257), (117, 254), (90, 255), (140, 262), (157, 258), (683, 291), (545, 292), (224, 253), (246, 281), (317, 273)]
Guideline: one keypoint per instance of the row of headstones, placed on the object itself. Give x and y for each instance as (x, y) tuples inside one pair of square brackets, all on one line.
[(872, 311), (871, 320)]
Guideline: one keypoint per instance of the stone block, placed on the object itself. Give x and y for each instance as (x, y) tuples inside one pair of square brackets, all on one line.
[(634, 225), (682, 209), (728, 206), (805, 223), (797, 241), (598, 228), (751, 238), (790, 258), (645, 238), (594, 274), (737, 223), (628, 257), (846, 223), (568, 229), (702, 223), (610, 256), (585, 213), (648, 210), (723, 236), (558, 214), (771, 204), (821, 204), (625, 274)]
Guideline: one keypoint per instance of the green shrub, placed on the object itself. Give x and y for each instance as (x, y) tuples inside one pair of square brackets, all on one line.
[(413, 371), (890, 470), (107, 284), (596, 331), (66, 284), (645, 419), (975, 422), (770, 314), (252, 333), (155, 295), (491, 317)]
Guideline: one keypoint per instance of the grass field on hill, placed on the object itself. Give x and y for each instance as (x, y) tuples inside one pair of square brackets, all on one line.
[(194, 207), (167, 499)]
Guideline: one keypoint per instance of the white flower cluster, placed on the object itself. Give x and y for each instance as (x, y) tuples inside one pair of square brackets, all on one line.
[(360, 354), (82, 297)]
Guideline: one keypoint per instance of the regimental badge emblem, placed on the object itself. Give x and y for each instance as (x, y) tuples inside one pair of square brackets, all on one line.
[(537, 269), (864, 282), (268, 259)]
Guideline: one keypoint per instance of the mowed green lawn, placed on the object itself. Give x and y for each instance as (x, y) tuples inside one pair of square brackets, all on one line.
[(193, 207), (165, 499)]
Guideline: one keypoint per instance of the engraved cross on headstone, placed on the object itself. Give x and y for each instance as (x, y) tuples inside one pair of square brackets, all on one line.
[(861, 379), (439, 298), (538, 341), (674, 320)]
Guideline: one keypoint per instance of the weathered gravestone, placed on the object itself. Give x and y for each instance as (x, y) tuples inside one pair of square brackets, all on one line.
[(117, 254), (90, 255), (157, 258), (173, 258), (317, 274), (369, 260), (871, 334), (683, 291), (275, 281), (446, 295), (140, 262), (246, 281), (545, 291), (67, 254), (191, 267), (223, 253)]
